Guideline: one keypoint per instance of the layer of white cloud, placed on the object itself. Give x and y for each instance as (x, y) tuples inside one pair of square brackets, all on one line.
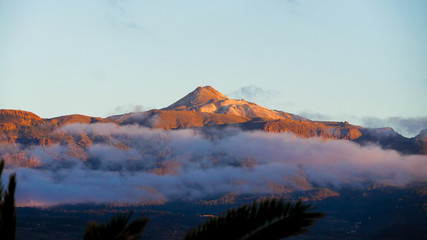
[(187, 165)]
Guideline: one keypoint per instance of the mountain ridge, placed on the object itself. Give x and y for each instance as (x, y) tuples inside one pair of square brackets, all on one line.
[(204, 107)]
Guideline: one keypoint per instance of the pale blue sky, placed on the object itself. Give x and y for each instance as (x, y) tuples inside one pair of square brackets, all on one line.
[(338, 58)]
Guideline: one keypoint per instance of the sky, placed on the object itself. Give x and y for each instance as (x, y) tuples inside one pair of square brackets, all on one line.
[(341, 60)]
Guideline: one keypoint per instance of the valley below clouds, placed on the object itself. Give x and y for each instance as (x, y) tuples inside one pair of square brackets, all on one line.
[(137, 165)]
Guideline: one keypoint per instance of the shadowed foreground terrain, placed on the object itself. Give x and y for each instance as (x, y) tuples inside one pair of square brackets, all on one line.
[(385, 213)]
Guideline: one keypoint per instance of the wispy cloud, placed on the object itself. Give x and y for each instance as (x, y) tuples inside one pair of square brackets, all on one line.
[(294, 2), (128, 108), (316, 116), (121, 16), (254, 93)]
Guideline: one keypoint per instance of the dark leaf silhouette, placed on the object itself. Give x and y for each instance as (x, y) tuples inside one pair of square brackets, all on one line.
[(7, 207), (118, 228), (267, 219)]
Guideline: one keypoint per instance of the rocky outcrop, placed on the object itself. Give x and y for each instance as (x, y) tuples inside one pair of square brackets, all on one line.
[(75, 118), (313, 129), (10, 115)]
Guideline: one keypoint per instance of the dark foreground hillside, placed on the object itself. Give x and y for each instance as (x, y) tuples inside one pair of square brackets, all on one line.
[(385, 213)]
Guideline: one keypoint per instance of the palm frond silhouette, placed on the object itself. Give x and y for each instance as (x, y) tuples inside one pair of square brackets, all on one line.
[(268, 219), (118, 228), (7, 207)]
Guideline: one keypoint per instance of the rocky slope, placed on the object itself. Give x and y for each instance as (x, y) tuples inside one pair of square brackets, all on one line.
[(421, 138)]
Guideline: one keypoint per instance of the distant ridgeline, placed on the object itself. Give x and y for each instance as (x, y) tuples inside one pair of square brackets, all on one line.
[(203, 109)]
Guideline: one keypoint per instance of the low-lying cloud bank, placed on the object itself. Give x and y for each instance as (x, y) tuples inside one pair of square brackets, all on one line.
[(133, 164)]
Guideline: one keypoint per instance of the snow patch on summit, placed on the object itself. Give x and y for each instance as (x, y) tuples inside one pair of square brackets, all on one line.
[(207, 99)]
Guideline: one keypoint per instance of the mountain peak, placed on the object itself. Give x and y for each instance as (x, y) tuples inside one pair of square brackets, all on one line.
[(209, 92), (208, 100), (197, 98)]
